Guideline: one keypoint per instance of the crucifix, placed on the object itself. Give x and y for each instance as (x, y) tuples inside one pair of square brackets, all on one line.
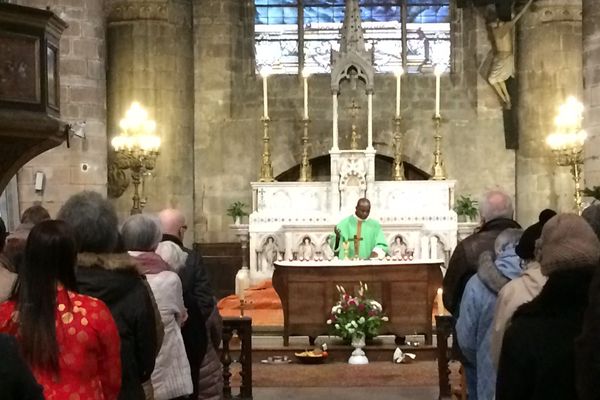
[(356, 239), (354, 136)]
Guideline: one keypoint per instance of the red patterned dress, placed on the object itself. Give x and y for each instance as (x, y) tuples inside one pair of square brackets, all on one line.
[(89, 349)]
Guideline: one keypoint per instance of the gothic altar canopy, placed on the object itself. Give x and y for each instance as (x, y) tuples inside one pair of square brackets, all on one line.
[(294, 220)]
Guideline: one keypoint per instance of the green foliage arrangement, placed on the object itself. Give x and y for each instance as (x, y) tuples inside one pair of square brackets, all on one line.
[(593, 192), (466, 206), (236, 209), (356, 315)]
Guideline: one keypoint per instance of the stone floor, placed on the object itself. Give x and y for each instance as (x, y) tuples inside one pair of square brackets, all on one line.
[(354, 393)]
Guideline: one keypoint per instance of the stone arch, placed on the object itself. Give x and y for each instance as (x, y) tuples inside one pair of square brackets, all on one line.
[(383, 170)]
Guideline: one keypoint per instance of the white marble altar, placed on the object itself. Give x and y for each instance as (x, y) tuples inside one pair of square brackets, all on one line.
[(285, 214), (288, 212)]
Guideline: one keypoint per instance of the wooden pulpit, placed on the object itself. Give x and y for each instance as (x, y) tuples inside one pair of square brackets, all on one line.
[(29, 86)]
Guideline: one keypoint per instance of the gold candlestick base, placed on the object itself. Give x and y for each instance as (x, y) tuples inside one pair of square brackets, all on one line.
[(305, 167), (243, 304), (398, 166), (572, 157), (438, 172), (266, 169)]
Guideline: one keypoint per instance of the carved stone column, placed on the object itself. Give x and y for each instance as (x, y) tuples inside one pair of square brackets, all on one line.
[(548, 66), (591, 94), (150, 55)]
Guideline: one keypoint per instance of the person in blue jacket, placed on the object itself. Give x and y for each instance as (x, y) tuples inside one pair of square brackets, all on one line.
[(474, 324)]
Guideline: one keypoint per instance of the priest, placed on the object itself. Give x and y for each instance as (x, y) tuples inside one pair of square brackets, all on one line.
[(359, 237)]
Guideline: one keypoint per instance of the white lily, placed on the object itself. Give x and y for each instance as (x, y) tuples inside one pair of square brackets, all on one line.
[(361, 320), (377, 305)]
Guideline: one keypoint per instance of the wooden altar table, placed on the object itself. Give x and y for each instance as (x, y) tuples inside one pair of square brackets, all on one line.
[(406, 290)]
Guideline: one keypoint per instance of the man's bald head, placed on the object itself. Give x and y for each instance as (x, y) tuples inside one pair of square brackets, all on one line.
[(172, 222)]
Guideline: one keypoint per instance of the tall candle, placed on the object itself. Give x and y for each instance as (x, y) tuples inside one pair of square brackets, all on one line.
[(305, 75), (439, 69), (265, 74), (399, 73)]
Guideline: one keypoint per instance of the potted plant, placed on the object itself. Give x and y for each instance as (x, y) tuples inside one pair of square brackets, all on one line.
[(466, 208), (236, 211)]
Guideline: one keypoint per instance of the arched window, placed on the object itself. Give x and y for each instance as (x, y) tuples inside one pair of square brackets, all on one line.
[(293, 34)]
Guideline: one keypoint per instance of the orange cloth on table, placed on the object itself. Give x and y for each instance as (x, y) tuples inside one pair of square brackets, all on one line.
[(262, 304), (260, 297)]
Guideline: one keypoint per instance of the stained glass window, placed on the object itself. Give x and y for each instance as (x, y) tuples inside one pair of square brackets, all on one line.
[(284, 27)]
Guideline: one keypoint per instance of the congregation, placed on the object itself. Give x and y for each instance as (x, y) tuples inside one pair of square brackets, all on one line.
[(525, 304), (91, 311)]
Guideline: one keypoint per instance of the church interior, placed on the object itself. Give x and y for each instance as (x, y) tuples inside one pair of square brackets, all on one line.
[(287, 112)]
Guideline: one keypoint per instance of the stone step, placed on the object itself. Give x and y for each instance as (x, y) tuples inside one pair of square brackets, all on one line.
[(379, 349)]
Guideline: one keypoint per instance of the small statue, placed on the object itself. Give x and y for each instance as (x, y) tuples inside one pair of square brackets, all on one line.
[(306, 250), (398, 249), (270, 253)]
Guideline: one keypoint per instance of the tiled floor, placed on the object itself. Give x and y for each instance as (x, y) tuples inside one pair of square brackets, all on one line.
[(370, 393)]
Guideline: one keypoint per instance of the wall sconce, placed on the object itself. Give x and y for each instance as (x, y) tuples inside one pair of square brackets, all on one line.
[(567, 142), (136, 148)]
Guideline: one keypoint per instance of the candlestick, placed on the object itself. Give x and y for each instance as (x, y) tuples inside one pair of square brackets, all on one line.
[(438, 172), (265, 72), (266, 169), (440, 302), (399, 73), (398, 166), (305, 75), (438, 70), (305, 167)]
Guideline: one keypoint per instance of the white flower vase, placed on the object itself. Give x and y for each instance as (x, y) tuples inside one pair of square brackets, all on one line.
[(358, 356)]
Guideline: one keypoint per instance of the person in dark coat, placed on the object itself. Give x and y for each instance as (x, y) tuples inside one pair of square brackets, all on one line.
[(537, 360), (587, 345), (496, 213), (114, 279), (16, 380), (197, 293)]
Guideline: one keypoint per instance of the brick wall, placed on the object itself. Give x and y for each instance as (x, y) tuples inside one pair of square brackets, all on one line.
[(83, 98)]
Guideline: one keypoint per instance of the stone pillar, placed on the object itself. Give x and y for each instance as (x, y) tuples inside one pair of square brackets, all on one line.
[(548, 63), (150, 57), (591, 94), (227, 143)]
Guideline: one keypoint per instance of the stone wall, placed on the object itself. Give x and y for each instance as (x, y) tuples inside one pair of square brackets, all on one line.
[(83, 98), (205, 168), (591, 79), (549, 70), (228, 105)]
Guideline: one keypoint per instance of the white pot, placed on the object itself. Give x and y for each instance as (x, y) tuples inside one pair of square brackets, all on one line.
[(238, 220), (358, 356)]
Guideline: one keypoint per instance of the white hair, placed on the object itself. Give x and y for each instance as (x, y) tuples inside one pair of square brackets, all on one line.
[(495, 204), (172, 255)]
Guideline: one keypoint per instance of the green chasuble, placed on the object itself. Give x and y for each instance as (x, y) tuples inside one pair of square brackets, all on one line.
[(371, 236)]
